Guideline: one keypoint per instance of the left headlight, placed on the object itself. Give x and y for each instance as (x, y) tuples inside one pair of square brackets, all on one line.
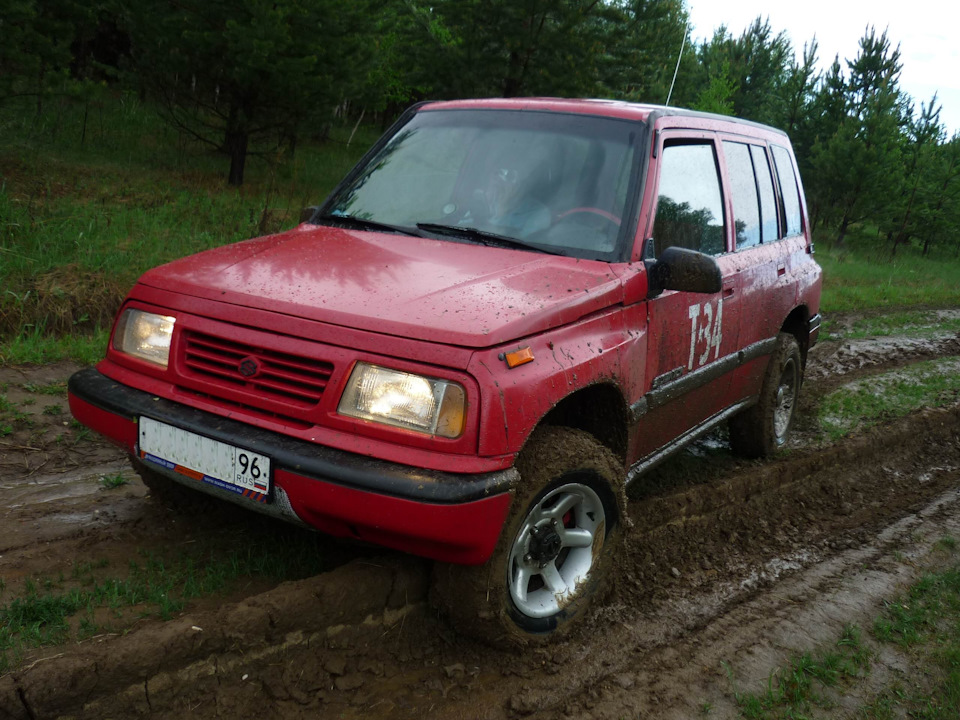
[(144, 335), (401, 399)]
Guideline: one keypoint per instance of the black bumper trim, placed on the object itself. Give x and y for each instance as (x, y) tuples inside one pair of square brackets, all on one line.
[(814, 332), (297, 456)]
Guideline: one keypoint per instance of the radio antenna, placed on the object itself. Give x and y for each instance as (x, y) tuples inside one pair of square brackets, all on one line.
[(683, 42)]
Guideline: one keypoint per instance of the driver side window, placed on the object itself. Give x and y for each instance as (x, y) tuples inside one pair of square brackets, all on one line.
[(689, 203)]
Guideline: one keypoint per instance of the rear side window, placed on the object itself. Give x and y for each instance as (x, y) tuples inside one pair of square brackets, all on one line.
[(743, 187), (768, 202), (689, 205), (789, 190)]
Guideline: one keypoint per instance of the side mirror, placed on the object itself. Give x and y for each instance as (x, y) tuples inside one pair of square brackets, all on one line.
[(685, 270), (306, 215)]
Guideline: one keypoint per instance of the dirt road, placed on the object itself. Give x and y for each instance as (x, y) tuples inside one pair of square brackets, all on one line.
[(729, 566)]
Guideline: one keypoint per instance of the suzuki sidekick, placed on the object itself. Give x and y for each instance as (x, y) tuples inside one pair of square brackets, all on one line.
[(506, 313)]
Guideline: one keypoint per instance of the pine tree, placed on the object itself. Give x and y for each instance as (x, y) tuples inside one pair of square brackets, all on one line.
[(752, 68), (857, 167), (939, 220), (920, 144), (235, 75), (508, 48), (641, 41)]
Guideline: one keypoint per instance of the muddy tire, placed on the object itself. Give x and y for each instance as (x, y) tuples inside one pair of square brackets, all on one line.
[(555, 552), (762, 429)]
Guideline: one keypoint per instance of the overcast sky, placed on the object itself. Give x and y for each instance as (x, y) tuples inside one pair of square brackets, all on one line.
[(925, 30)]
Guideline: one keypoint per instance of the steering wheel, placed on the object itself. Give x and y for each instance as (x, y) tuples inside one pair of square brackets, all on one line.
[(591, 211)]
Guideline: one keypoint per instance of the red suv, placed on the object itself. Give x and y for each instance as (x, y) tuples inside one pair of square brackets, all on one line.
[(505, 314)]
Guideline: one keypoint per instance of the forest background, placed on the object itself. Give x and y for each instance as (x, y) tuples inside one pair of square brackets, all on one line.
[(97, 97)]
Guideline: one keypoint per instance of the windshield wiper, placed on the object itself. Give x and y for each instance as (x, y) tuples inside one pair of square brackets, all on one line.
[(360, 223), (482, 236)]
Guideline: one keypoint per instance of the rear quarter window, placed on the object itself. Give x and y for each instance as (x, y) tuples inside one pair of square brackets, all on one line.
[(789, 189), (768, 201)]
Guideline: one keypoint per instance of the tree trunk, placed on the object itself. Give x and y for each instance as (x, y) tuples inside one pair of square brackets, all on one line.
[(83, 133), (40, 87), (237, 148), (235, 143), (902, 236), (359, 120), (843, 230), (512, 84)]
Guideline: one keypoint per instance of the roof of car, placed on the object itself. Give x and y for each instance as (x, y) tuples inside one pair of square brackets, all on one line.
[(613, 108), (587, 106)]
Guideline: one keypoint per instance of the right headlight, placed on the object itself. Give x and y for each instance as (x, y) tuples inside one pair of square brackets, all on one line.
[(405, 400), (144, 335)]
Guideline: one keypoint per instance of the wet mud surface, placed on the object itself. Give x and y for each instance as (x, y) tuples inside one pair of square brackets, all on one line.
[(727, 567)]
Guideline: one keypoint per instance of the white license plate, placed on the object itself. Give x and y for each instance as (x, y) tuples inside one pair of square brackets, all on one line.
[(211, 461)]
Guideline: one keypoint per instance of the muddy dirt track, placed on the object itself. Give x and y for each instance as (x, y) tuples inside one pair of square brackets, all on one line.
[(729, 566)]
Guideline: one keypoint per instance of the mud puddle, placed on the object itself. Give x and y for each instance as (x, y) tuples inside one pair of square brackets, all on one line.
[(773, 557), (731, 567)]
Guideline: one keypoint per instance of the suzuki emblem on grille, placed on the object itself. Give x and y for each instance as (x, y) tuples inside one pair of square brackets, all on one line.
[(249, 367)]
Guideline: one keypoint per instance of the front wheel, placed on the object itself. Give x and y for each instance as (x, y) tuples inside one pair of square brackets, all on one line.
[(762, 429), (556, 548)]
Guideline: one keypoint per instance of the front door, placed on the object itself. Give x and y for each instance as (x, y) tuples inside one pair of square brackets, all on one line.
[(692, 337)]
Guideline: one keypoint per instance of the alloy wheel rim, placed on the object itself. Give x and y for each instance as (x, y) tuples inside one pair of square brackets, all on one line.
[(785, 401), (556, 547)]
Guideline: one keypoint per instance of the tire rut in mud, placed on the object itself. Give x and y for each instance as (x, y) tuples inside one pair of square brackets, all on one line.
[(700, 548), (694, 554)]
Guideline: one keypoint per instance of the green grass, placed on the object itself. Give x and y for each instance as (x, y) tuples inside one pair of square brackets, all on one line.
[(35, 347), (864, 403), (57, 388), (925, 622), (794, 690), (916, 323), (858, 278), (111, 482), (922, 626), (79, 224), (917, 616), (55, 610), (12, 417)]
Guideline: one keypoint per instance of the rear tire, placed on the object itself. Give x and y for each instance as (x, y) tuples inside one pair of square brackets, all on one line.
[(763, 429), (556, 549)]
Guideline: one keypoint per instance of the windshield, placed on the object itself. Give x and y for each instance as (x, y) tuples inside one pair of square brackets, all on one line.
[(559, 182)]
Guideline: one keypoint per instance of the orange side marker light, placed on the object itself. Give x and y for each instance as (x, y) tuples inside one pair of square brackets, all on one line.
[(519, 357)]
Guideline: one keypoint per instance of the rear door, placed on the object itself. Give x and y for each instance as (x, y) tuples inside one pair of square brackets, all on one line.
[(769, 242)]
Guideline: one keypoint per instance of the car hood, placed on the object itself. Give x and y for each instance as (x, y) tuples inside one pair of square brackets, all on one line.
[(433, 290)]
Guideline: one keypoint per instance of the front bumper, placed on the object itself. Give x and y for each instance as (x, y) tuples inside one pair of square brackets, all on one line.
[(445, 516)]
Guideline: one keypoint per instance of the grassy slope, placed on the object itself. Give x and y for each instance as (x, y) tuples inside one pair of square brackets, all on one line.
[(862, 276), (79, 223)]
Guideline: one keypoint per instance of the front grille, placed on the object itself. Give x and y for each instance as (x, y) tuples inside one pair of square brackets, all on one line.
[(253, 412), (278, 376)]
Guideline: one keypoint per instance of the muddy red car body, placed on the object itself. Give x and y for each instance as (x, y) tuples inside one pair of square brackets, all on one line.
[(385, 364)]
